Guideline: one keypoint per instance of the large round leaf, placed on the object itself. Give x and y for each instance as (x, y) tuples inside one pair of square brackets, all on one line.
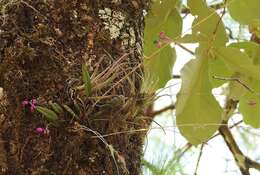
[(197, 111), (244, 11)]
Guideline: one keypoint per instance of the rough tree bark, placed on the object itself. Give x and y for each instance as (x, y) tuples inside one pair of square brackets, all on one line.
[(43, 44)]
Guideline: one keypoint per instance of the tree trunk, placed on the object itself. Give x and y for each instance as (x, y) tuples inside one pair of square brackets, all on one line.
[(43, 45)]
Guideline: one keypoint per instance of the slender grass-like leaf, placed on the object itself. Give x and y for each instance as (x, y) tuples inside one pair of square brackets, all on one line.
[(56, 107), (49, 114), (67, 108), (86, 79)]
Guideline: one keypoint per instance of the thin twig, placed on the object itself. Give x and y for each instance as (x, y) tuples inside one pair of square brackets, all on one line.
[(154, 113), (220, 19), (176, 76), (234, 79), (148, 117), (199, 158), (185, 48), (34, 9)]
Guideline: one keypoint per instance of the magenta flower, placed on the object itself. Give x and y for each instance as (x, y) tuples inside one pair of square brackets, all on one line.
[(163, 38), (158, 44), (162, 35), (32, 104), (41, 130), (25, 102)]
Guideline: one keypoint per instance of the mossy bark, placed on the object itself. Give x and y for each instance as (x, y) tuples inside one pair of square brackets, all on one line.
[(43, 45)]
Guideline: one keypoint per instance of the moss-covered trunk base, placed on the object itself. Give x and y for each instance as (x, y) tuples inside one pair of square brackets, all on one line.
[(43, 45)]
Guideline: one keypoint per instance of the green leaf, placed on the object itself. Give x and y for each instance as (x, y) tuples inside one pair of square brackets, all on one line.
[(158, 69), (160, 9), (67, 108), (217, 68), (49, 114), (244, 11), (198, 7), (208, 26), (210, 30), (56, 107), (198, 114), (238, 61), (236, 89), (252, 49), (189, 38), (77, 107), (207, 31), (163, 17), (249, 106), (86, 79)]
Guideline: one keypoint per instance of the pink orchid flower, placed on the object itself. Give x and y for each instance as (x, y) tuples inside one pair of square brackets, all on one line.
[(25, 102), (163, 38), (41, 130), (162, 35), (32, 103)]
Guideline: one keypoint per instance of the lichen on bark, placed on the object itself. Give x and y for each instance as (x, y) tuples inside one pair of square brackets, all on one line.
[(43, 46)]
